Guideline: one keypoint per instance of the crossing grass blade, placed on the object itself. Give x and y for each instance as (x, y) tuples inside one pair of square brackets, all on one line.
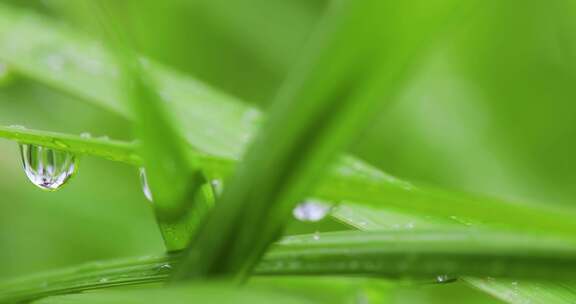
[(179, 189), (349, 72), (421, 255)]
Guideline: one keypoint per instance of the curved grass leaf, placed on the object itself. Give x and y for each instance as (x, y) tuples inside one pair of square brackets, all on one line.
[(405, 254), (105, 148), (181, 196)]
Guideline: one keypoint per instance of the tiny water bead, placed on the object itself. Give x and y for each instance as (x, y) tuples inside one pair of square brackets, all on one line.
[(47, 168), (444, 278), (311, 211), (145, 186), (217, 186)]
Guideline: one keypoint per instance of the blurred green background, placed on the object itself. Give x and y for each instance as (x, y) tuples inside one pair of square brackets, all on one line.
[(489, 109)]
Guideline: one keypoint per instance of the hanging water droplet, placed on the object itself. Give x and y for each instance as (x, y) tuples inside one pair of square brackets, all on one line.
[(145, 187), (311, 211), (47, 168)]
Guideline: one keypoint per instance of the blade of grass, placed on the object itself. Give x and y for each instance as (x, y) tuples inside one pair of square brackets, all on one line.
[(199, 293), (510, 291), (315, 289), (400, 254), (521, 292), (346, 76), (114, 150), (181, 197), (363, 190)]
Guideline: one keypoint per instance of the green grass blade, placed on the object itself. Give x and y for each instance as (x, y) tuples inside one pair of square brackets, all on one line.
[(416, 254), (181, 193), (353, 182), (179, 190), (521, 292), (360, 183), (200, 293), (114, 150), (512, 291), (357, 64)]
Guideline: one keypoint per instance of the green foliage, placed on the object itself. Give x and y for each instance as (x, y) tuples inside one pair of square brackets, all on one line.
[(362, 55)]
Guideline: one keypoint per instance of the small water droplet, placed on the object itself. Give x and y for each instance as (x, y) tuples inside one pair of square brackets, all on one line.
[(311, 211), (444, 278), (145, 187), (316, 236), (47, 168), (166, 266), (217, 186), (103, 280), (85, 135)]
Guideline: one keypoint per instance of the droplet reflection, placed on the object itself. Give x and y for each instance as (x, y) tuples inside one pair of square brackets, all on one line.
[(311, 211), (47, 168), (145, 186)]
